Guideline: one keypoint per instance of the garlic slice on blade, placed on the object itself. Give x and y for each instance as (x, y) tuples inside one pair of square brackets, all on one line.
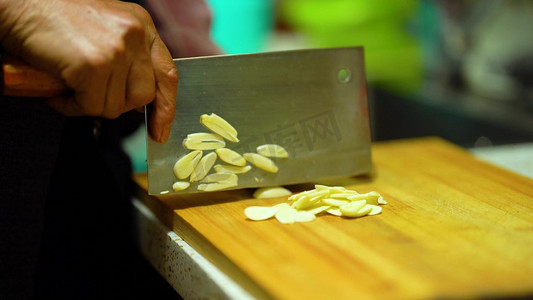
[(216, 186), (180, 186), (231, 169), (272, 150), (220, 126), (203, 141), (186, 164), (261, 162), (231, 157), (203, 167), (220, 178)]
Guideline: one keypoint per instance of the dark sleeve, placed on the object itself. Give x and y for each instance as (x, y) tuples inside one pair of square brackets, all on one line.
[(29, 142)]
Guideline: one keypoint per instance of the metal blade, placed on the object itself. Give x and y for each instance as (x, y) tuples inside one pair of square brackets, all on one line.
[(311, 102)]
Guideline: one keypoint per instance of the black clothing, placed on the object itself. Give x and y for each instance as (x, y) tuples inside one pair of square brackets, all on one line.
[(65, 210), (30, 135)]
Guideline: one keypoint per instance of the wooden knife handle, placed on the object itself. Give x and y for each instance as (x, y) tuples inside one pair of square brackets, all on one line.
[(20, 79)]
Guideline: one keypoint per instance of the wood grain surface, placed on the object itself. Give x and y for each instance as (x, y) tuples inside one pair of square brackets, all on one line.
[(455, 227)]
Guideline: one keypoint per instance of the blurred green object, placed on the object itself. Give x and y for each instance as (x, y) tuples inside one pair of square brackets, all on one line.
[(242, 26), (393, 55)]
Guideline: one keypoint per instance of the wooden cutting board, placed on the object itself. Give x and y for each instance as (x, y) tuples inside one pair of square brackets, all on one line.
[(454, 227)]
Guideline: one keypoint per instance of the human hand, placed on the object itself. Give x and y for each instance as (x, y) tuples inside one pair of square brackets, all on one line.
[(108, 52)]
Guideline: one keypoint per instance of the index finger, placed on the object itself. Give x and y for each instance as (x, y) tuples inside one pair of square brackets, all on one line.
[(164, 104)]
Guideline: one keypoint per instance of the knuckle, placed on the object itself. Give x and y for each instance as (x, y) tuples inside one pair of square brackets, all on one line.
[(134, 23), (85, 69), (117, 50), (134, 27), (94, 63), (141, 12), (172, 74)]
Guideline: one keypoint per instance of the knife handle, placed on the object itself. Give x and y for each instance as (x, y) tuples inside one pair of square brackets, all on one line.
[(20, 79)]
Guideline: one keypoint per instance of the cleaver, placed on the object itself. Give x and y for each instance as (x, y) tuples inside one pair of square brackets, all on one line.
[(312, 103)]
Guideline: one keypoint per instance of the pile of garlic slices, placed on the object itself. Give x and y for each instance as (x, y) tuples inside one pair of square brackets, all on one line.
[(208, 147), (304, 206)]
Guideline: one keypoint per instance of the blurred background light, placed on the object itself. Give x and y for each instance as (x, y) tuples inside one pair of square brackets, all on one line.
[(242, 26)]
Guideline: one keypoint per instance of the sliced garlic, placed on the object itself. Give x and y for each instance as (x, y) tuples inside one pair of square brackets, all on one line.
[(374, 209), (216, 186), (285, 213), (220, 126), (334, 202), (280, 205), (185, 165), (220, 178), (341, 195), (365, 211), (334, 211), (259, 213), (272, 150), (353, 208), (203, 141), (180, 186), (271, 192), (331, 189), (371, 197), (231, 169), (318, 209), (303, 202), (303, 216), (298, 195), (308, 199), (231, 157), (203, 167), (261, 162), (320, 187)]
